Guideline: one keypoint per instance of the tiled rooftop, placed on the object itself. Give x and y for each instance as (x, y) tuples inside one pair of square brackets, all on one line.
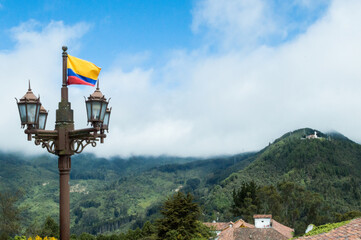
[(218, 226), (284, 230), (350, 231), (240, 230), (227, 231), (258, 234)]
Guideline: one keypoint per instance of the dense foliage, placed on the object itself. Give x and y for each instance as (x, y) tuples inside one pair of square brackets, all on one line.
[(325, 228), (9, 214), (110, 195), (180, 219), (120, 195), (289, 203), (246, 202)]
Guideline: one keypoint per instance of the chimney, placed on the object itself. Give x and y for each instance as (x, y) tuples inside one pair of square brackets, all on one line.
[(262, 221)]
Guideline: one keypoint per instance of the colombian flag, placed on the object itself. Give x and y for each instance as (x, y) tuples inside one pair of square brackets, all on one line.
[(82, 72)]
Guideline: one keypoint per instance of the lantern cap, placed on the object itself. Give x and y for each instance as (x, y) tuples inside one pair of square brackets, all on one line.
[(42, 109), (29, 96), (97, 94)]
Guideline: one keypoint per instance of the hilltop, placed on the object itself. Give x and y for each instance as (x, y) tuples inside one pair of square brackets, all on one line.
[(329, 166)]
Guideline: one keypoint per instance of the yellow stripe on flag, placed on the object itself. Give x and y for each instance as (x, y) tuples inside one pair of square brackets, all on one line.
[(83, 68)]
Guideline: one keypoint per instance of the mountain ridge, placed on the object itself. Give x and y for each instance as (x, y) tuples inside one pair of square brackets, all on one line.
[(321, 165)]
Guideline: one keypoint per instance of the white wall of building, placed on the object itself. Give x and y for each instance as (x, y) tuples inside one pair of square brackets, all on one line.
[(262, 222)]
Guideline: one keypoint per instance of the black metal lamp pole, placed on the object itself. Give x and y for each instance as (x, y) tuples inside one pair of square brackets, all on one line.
[(64, 141)]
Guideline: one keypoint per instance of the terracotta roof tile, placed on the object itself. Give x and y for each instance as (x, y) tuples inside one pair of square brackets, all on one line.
[(350, 231), (218, 226), (284, 230), (227, 232), (243, 230), (258, 234)]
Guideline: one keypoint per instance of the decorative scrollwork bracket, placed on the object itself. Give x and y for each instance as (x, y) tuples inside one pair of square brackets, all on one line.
[(49, 144), (78, 145)]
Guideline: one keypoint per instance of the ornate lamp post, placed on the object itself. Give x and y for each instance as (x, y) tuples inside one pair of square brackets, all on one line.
[(64, 141)]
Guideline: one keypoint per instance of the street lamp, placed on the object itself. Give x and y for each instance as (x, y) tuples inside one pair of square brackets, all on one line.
[(29, 108), (96, 106), (64, 141)]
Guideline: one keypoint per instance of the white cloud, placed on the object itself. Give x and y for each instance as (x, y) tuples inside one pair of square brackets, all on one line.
[(310, 81), (36, 56), (235, 22), (202, 103)]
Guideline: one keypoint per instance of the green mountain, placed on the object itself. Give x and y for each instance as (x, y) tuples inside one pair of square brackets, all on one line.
[(329, 166)]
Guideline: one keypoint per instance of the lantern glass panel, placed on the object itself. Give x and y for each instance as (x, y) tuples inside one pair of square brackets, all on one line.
[(106, 119), (33, 112), (22, 109), (88, 109), (104, 107), (96, 110), (42, 120)]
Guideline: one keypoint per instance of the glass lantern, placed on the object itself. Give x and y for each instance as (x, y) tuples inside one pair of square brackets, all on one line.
[(96, 106), (43, 115), (29, 109), (105, 124)]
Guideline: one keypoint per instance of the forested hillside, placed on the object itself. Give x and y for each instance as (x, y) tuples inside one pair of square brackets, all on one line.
[(298, 180), (110, 194)]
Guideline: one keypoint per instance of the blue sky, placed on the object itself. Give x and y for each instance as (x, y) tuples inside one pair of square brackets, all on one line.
[(116, 27), (124, 27), (190, 78)]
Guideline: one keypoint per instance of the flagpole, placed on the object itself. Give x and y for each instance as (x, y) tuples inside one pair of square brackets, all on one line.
[(64, 125)]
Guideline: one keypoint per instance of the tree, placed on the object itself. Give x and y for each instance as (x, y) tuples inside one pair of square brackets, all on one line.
[(50, 228), (270, 201), (148, 229), (86, 236), (180, 219), (9, 214), (245, 201)]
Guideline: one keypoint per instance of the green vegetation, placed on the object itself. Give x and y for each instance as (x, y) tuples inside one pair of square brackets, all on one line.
[(245, 201), (50, 229), (9, 215), (298, 181), (310, 181), (180, 219), (288, 203), (325, 228), (110, 195)]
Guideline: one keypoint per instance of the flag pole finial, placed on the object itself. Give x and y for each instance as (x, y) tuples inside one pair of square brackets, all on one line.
[(98, 84)]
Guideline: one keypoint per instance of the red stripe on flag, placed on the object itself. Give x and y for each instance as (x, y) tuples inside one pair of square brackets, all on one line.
[(75, 80)]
